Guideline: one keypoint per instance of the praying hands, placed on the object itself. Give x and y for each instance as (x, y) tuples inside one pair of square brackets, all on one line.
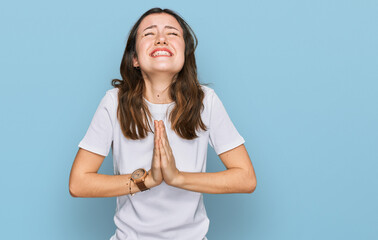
[(163, 165), (237, 178)]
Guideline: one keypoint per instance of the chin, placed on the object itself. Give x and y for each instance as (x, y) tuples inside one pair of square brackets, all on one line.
[(167, 69)]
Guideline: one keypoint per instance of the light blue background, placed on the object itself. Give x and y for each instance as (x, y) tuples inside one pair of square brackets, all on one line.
[(298, 78)]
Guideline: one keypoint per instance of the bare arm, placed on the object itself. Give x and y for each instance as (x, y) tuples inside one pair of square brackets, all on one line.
[(86, 182), (238, 178)]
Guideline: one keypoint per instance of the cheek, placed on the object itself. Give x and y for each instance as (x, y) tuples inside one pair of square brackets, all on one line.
[(183, 52), (140, 49), (141, 46), (181, 47), (182, 44)]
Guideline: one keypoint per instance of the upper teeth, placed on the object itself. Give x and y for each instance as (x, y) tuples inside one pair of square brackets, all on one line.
[(158, 53)]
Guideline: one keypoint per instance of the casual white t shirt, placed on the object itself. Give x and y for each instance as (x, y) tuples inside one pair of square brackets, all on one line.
[(163, 212)]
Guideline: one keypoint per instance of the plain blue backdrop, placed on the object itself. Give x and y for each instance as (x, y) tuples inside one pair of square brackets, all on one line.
[(298, 79)]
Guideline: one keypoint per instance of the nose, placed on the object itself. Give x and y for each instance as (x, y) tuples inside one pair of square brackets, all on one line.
[(160, 39)]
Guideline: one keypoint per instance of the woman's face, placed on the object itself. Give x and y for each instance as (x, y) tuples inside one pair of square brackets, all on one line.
[(160, 45)]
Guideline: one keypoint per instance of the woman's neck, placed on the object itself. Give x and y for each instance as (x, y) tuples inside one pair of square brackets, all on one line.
[(157, 89)]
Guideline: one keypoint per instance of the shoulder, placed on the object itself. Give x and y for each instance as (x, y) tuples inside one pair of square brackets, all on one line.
[(112, 95), (112, 91), (209, 94), (208, 101), (207, 90)]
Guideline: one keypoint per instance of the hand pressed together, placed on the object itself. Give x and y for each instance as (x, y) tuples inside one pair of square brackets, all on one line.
[(163, 165), (155, 171)]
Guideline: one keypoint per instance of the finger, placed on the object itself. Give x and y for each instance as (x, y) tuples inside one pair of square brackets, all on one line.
[(157, 156), (165, 139), (155, 138), (160, 129), (164, 143), (163, 130), (156, 125), (163, 155), (161, 148), (156, 149), (167, 151), (158, 138), (160, 135)]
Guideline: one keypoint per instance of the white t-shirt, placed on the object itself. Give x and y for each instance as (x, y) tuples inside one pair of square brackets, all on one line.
[(163, 212)]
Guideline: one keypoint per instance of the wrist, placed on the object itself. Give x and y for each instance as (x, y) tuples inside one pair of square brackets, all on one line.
[(179, 180), (149, 181)]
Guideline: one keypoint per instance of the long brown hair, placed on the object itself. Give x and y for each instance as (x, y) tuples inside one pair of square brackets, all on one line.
[(185, 90)]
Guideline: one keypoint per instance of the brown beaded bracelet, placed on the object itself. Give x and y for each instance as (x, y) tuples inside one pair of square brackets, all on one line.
[(131, 194)]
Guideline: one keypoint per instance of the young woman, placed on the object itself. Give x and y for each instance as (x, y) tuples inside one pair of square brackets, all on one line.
[(158, 120)]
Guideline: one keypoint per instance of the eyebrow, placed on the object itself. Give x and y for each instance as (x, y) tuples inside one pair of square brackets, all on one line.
[(166, 26)]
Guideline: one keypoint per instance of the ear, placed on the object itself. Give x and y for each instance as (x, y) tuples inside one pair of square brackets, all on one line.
[(135, 61)]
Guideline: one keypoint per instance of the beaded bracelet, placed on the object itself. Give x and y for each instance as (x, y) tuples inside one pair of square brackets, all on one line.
[(131, 194)]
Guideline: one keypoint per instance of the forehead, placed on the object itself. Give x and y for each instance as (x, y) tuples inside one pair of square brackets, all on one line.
[(160, 20)]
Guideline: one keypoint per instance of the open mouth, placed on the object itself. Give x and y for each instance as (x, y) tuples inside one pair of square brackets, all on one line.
[(161, 52)]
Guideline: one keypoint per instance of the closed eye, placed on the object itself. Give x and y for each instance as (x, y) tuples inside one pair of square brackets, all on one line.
[(173, 34), (149, 33)]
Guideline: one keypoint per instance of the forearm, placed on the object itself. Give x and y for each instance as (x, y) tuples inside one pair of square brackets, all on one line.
[(234, 180), (100, 185)]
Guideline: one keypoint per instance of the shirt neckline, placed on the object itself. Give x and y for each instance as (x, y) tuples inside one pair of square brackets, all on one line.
[(158, 107), (158, 104)]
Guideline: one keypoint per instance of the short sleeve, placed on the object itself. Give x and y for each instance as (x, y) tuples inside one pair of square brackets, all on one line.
[(99, 136), (223, 134)]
